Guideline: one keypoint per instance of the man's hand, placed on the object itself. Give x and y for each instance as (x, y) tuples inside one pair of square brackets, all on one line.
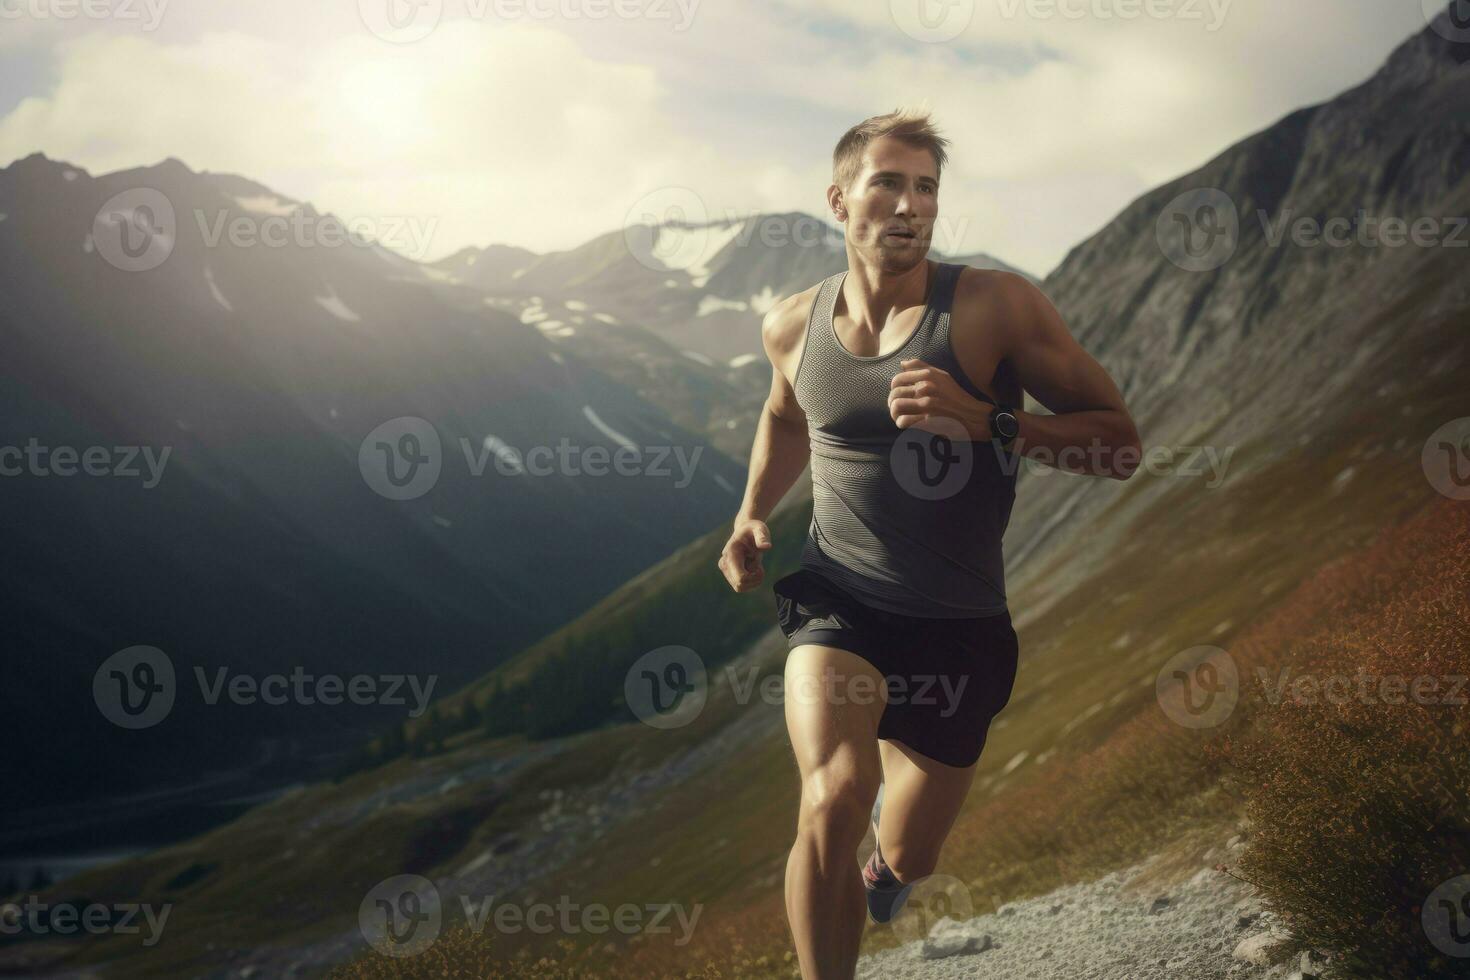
[(922, 392), (741, 559)]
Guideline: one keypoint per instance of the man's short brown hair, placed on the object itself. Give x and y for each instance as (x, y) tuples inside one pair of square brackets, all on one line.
[(911, 126)]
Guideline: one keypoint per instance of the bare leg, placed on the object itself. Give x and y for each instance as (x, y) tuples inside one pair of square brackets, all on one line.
[(834, 739), (921, 800)]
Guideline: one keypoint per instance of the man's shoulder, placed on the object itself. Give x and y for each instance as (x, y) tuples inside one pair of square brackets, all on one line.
[(785, 321), (990, 297), (1001, 286)]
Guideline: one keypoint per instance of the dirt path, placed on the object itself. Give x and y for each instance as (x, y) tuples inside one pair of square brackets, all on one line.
[(1108, 929)]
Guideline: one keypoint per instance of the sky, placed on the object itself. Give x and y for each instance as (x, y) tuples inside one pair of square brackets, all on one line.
[(542, 123)]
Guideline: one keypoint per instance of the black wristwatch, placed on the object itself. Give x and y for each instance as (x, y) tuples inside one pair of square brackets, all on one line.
[(1004, 426)]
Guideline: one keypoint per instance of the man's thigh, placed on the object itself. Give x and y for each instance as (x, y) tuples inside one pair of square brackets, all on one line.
[(834, 700)]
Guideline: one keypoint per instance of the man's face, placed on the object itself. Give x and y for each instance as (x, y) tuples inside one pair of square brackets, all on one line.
[(896, 189)]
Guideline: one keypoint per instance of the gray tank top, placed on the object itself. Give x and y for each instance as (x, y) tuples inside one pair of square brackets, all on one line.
[(906, 520)]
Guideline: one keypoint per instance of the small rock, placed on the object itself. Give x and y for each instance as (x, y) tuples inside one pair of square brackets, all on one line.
[(1007, 910), (1246, 913), (1056, 907), (953, 944), (1307, 968), (1233, 842), (1257, 949), (1159, 904)]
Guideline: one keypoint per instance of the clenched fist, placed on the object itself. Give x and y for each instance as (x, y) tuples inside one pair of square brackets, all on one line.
[(741, 559), (922, 392)]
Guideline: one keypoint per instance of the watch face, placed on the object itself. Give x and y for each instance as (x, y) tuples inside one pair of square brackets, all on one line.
[(1006, 424)]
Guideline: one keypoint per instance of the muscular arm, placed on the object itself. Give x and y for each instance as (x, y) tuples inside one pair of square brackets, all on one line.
[(782, 448), (1091, 432), (778, 456)]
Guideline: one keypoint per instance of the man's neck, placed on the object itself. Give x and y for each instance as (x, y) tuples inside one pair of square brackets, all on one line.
[(871, 297)]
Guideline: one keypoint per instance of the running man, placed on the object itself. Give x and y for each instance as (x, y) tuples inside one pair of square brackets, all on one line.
[(900, 380)]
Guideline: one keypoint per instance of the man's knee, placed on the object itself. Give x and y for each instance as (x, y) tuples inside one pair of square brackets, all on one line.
[(837, 805), (912, 862)]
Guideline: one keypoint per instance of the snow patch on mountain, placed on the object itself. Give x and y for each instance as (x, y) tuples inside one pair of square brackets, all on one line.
[(333, 304), (265, 204), (762, 301), (608, 430), (509, 458), (710, 304), (219, 297)]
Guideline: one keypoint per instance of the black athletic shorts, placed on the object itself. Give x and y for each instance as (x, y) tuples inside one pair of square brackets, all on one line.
[(945, 678)]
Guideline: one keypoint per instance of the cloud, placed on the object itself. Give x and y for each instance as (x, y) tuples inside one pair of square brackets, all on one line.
[(544, 133)]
